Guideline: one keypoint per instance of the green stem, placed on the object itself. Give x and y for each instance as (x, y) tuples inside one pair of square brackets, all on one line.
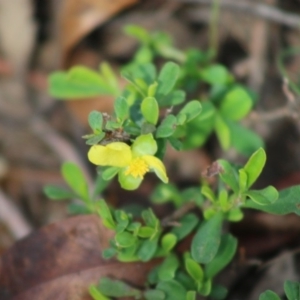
[(213, 28)]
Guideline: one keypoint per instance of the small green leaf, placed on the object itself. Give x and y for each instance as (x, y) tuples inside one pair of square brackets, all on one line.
[(109, 75), (191, 295), (57, 193), (223, 257), (147, 249), (154, 295), (165, 192), (168, 242), (173, 289), (288, 202), (206, 242), (152, 89), (292, 290), (236, 104), (146, 232), (125, 239), (192, 109), (265, 196), (140, 33), (104, 212), (109, 253), (194, 270), (222, 132), (168, 268), (175, 143), (228, 175), (215, 74), (235, 215), (218, 292), (207, 192), (95, 121), (205, 288), (75, 179), (95, 293), (150, 110), (167, 127), (167, 79), (95, 139), (117, 288), (255, 165), (174, 98), (187, 223), (78, 209), (149, 218), (243, 180), (269, 295), (110, 173), (121, 108), (78, 82)]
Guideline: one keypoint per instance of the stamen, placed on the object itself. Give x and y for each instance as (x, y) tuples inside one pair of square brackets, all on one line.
[(137, 168)]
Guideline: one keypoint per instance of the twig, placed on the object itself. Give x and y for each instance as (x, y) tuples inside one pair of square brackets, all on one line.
[(177, 214), (12, 218), (261, 10)]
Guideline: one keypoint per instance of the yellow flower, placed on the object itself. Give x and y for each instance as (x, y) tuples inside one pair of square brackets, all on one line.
[(131, 163)]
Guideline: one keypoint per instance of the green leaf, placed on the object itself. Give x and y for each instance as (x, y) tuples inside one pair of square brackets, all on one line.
[(95, 120), (105, 213), (235, 215), (167, 127), (117, 288), (165, 192), (146, 232), (167, 79), (175, 143), (152, 89), (206, 242), (292, 290), (109, 253), (150, 110), (194, 270), (154, 295), (95, 293), (218, 292), (168, 242), (228, 175), (78, 82), (215, 74), (95, 139), (223, 257), (190, 295), (288, 202), (243, 180), (244, 140), (110, 173), (78, 209), (236, 104), (57, 193), (173, 290), (149, 218), (125, 239), (255, 165), (269, 295), (222, 132), (187, 223), (109, 75), (172, 99), (147, 249), (75, 179), (168, 268), (265, 196), (192, 109), (121, 108), (205, 288), (140, 33)]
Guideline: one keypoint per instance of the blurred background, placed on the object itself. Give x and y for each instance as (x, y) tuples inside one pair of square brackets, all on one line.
[(38, 133)]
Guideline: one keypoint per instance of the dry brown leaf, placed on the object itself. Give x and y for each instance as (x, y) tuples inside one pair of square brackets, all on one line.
[(61, 260), (79, 17)]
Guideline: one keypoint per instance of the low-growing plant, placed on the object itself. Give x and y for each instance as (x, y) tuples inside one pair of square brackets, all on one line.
[(158, 109)]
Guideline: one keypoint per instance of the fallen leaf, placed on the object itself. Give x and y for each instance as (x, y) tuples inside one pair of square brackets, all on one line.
[(61, 260)]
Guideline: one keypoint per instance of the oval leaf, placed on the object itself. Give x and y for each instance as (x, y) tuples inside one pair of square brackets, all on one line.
[(150, 110)]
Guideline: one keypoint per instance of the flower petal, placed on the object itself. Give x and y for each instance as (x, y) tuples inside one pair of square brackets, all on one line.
[(144, 145), (157, 166), (128, 182), (114, 154)]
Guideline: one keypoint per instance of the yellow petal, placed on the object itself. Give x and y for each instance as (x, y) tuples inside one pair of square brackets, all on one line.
[(157, 166), (114, 154)]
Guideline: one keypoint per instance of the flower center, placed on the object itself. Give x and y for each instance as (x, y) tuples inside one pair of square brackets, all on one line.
[(137, 168)]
